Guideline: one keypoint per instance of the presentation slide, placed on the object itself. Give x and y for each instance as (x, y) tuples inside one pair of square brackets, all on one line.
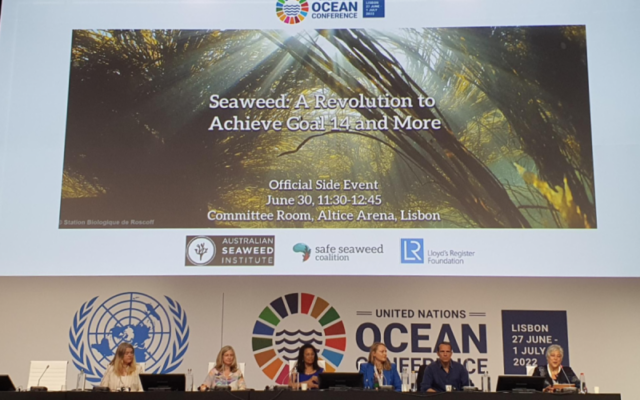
[(316, 137)]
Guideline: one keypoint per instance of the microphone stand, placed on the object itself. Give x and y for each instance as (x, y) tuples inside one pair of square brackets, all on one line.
[(39, 388), (469, 387)]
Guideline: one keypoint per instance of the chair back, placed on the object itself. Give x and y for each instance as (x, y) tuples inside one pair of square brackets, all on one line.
[(50, 374)]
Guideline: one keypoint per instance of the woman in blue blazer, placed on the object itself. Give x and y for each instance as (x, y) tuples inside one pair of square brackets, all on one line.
[(379, 371)]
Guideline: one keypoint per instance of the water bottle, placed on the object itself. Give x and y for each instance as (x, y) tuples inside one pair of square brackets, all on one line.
[(485, 380), (583, 384), (189, 380), (405, 379), (80, 383), (414, 378), (294, 379)]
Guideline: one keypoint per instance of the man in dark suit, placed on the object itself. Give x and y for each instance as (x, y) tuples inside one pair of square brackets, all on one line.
[(444, 372)]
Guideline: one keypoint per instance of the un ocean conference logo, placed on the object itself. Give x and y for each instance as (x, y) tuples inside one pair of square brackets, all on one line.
[(160, 338), (292, 11), (291, 321)]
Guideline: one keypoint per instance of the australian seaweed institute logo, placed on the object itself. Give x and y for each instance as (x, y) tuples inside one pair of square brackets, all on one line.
[(292, 12), (288, 323), (230, 250)]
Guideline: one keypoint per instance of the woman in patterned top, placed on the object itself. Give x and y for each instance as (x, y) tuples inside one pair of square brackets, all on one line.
[(554, 373), (225, 373), (122, 373)]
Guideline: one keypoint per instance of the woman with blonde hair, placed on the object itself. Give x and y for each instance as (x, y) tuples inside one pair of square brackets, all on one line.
[(225, 373), (379, 371), (122, 373)]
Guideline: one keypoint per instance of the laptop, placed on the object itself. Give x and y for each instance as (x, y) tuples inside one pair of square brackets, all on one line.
[(6, 385), (520, 383), (163, 382), (342, 380)]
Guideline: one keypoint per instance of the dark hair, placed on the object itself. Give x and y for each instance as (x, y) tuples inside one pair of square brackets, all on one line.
[(300, 366), (446, 344)]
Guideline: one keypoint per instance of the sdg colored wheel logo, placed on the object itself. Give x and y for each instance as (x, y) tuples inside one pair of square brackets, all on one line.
[(292, 11), (288, 323)]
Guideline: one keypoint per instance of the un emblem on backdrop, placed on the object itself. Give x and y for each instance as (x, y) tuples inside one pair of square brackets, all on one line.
[(159, 334)]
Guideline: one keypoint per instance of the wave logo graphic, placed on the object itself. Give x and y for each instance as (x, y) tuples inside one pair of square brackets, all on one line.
[(292, 12), (304, 249), (158, 332), (291, 321)]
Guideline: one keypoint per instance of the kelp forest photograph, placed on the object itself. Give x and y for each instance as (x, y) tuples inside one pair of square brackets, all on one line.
[(485, 127)]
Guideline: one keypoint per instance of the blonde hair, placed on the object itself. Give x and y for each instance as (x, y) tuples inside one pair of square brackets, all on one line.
[(118, 361), (372, 360), (220, 361)]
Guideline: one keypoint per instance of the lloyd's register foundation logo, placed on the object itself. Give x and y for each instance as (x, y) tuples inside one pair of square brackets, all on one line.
[(412, 251), (288, 323), (230, 251), (158, 332)]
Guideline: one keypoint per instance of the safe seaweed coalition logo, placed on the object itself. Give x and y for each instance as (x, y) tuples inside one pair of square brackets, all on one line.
[(160, 338), (292, 11), (304, 249), (291, 321)]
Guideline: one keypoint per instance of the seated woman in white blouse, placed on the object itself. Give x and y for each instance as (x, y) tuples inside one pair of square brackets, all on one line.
[(122, 372), (225, 373)]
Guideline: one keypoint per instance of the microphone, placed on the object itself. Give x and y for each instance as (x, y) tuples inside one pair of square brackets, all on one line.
[(469, 387), (384, 383), (43, 372), (39, 388), (565, 389), (123, 388), (565, 375)]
